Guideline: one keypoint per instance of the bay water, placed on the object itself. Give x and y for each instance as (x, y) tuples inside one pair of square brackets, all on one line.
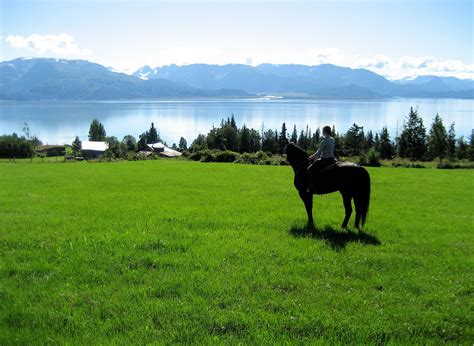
[(58, 122)]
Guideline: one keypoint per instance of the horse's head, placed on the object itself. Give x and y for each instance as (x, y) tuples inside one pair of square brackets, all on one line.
[(294, 153)]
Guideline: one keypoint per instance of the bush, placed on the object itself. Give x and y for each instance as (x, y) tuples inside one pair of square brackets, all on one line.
[(226, 156), (452, 165), (247, 158), (258, 158), (207, 155), (370, 159), (12, 146), (406, 163)]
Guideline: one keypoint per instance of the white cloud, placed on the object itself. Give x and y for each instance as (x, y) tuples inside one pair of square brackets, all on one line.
[(410, 67), (61, 44)]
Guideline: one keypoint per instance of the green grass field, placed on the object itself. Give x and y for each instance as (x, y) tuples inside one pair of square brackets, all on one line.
[(180, 252)]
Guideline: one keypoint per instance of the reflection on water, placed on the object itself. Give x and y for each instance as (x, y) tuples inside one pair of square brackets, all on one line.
[(60, 122)]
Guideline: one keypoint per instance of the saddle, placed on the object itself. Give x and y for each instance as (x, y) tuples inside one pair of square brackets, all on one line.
[(329, 166)]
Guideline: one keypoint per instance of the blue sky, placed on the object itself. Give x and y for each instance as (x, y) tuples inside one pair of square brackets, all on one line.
[(393, 38)]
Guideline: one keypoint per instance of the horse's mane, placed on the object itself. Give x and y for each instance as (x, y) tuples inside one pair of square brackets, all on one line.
[(295, 153)]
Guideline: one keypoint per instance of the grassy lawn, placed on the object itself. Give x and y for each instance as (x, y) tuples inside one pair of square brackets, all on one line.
[(176, 251)]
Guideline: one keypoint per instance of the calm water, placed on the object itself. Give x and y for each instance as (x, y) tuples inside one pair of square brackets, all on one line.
[(60, 122)]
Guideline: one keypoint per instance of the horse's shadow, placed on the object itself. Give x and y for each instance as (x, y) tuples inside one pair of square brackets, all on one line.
[(335, 238)]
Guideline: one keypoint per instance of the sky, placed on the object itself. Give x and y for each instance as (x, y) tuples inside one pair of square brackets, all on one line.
[(397, 39)]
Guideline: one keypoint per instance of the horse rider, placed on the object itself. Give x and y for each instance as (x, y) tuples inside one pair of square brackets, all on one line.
[(323, 157)]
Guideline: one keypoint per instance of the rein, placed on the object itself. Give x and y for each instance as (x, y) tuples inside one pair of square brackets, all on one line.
[(300, 164)]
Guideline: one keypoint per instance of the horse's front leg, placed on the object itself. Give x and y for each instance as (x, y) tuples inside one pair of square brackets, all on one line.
[(307, 198)]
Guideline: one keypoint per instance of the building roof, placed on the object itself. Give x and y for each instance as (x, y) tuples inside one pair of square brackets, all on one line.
[(170, 152), (94, 146), (157, 145)]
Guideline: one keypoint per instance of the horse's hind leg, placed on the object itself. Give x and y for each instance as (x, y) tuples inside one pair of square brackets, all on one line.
[(308, 203), (346, 197), (357, 208)]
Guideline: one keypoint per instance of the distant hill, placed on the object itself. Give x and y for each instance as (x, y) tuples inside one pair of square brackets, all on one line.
[(40, 79), (324, 80), (47, 79)]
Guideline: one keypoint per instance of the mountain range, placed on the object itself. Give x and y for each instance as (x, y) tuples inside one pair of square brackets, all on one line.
[(60, 79), (47, 78)]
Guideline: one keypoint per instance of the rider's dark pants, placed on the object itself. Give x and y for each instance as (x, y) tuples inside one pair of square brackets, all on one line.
[(318, 165)]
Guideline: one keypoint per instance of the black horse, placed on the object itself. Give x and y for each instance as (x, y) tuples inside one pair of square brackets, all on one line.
[(351, 180)]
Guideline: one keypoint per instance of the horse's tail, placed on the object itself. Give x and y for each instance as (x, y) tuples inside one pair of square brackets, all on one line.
[(364, 196)]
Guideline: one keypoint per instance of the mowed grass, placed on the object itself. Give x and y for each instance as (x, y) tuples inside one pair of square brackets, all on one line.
[(180, 252)]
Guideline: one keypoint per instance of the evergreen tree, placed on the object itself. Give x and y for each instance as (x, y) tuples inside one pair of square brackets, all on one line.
[(385, 146), (269, 141), (232, 122), (214, 138), (76, 146), (199, 143), (142, 141), (245, 144), (377, 142), (112, 140), (451, 143), (461, 149), (96, 131), (255, 140), (183, 145), (354, 140), (437, 139), (316, 139), (152, 135), (294, 135), (130, 142), (338, 139), (230, 137), (282, 139), (369, 139), (470, 149), (412, 143), (302, 140)]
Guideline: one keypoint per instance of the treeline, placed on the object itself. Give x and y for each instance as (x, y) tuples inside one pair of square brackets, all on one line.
[(414, 142)]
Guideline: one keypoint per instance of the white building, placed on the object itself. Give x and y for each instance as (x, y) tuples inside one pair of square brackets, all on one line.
[(93, 149)]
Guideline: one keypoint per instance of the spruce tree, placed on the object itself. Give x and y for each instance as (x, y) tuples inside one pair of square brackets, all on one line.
[(470, 149), (245, 144), (369, 139), (255, 140), (142, 141), (437, 139), (269, 141), (183, 145), (294, 135), (232, 122), (412, 143), (461, 149), (451, 143), (76, 146), (385, 146), (354, 140), (302, 140), (96, 131), (282, 139), (129, 142), (152, 135), (377, 142)]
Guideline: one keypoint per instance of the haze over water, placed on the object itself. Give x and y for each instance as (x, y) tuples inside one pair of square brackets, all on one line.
[(59, 122)]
